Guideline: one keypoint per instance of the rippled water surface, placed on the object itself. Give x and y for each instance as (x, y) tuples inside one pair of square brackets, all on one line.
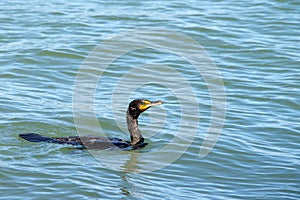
[(255, 46)]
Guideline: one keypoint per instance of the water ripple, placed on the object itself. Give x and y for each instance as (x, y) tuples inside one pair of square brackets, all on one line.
[(42, 46)]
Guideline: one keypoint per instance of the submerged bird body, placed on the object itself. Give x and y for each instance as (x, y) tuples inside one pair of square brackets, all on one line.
[(135, 108), (88, 142)]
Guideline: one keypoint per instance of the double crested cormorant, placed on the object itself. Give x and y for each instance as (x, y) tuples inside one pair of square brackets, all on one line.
[(135, 108)]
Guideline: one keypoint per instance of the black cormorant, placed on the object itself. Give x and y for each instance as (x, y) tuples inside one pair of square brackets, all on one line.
[(135, 108)]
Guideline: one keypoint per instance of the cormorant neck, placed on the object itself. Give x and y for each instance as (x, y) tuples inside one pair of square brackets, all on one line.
[(132, 125)]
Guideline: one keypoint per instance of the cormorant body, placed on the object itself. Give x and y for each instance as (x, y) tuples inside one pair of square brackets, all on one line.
[(135, 108)]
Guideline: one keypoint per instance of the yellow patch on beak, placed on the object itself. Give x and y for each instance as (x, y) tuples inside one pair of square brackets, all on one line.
[(145, 105)]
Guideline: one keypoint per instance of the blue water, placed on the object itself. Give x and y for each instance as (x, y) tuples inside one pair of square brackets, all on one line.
[(253, 44)]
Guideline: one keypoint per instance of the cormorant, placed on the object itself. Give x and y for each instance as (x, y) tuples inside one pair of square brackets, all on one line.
[(135, 108)]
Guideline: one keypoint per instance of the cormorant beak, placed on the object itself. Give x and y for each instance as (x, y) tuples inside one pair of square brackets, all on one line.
[(145, 104), (155, 103)]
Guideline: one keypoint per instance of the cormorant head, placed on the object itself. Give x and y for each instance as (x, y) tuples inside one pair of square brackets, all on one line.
[(136, 107)]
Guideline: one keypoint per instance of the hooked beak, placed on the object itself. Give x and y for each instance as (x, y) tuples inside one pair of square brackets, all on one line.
[(147, 104), (155, 103)]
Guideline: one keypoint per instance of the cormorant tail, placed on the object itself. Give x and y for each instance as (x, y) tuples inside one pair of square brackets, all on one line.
[(34, 137)]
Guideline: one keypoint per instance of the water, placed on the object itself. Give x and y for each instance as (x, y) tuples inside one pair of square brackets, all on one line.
[(255, 46)]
